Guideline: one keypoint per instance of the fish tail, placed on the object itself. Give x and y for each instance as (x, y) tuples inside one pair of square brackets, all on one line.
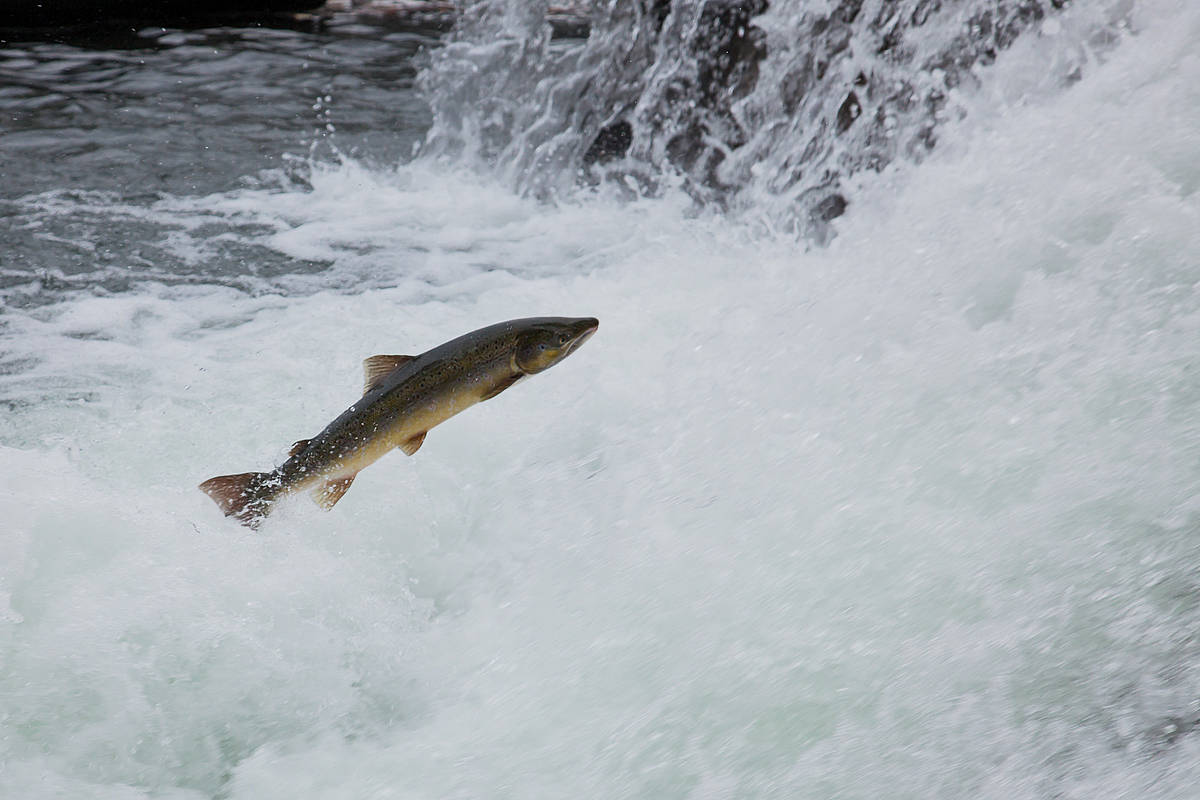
[(247, 496)]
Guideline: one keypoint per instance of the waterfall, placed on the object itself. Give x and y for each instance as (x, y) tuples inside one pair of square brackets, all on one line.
[(747, 104)]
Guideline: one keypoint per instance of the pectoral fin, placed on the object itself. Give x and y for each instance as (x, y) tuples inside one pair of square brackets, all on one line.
[(414, 444), (501, 386), (327, 494), (376, 367)]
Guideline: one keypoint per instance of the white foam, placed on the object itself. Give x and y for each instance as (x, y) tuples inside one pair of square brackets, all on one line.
[(911, 516)]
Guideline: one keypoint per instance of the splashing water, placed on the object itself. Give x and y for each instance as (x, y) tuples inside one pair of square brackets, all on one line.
[(913, 515), (768, 111)]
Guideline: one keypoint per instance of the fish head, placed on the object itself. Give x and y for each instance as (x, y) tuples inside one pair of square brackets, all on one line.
[(549, 340)]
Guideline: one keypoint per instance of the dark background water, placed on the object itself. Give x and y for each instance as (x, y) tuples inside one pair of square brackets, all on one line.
[(92, 122)]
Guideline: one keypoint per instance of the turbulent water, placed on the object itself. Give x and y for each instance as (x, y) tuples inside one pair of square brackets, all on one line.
[(911, 514), (772, 108)]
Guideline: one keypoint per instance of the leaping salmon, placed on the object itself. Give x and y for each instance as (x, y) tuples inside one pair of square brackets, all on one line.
[(403, 398)]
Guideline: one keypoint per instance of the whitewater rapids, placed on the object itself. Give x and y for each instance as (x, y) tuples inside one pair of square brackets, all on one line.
[(913, 515)]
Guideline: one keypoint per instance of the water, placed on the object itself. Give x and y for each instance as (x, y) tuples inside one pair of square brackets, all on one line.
[(100, 143), (909, 515), (775, 109)]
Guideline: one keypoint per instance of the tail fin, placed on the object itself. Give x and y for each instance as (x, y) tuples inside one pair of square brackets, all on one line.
[(244, 496)]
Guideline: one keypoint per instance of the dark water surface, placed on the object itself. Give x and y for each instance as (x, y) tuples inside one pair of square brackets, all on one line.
[(95, 133)]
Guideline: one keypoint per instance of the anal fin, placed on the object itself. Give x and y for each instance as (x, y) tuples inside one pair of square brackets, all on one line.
[(414, 444), (327, 494)]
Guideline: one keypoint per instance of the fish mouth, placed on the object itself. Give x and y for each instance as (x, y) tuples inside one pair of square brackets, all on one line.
[(584, 332)]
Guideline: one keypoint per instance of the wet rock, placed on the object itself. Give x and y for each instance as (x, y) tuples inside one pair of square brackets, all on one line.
[(610, 143), (677, 87), (719, 49)]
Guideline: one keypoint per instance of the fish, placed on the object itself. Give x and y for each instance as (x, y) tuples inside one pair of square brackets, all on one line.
[(403, 398)]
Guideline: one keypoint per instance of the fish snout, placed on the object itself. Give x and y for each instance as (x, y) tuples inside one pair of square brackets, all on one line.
[(584, 329)]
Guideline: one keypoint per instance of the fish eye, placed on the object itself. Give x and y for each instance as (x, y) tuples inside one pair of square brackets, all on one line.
[(562, 339)]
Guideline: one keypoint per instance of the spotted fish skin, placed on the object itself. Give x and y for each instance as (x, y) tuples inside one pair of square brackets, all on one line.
[(404, 397)]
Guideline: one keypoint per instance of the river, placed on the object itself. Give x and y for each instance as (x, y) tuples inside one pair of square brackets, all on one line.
[(900, 502)]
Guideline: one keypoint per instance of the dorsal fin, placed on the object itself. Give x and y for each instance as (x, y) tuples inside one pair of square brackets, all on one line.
[(297, 447), (376, 367), (327, 494)]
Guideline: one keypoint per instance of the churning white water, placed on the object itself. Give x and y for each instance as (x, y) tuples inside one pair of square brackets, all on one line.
[(914, 515)]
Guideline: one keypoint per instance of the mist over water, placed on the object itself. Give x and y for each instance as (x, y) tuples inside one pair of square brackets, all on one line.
[(909, 515)]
